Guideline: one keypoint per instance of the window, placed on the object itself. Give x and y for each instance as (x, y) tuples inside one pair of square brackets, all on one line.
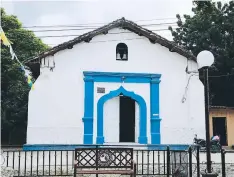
[(121, 52)]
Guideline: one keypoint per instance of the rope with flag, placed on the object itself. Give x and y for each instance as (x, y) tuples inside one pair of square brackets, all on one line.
[(8, 43)]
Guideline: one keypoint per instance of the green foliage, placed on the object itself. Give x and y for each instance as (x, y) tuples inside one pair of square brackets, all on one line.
[(211, 28), (14, 88)]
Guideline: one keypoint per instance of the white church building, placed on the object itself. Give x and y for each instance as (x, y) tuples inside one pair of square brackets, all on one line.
[(120, 83)]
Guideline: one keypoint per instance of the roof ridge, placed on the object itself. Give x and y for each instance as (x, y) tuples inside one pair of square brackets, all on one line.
[(125, 24)]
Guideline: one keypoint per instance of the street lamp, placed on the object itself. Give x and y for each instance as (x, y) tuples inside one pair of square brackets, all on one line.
[(205, 59)]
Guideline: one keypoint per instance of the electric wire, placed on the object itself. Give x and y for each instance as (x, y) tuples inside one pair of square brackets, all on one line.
[(226, 75), (75, 29), (77, 35), (88, 24), (184, 98)]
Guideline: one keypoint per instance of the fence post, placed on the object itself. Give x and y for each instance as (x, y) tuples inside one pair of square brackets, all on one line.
[(96, 158), (168, 161), (190, 162), (223, 163), (198, 161), (76, 163)]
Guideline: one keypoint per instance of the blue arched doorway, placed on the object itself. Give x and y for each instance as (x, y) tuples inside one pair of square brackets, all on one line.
[(142, 139), (154, 119)]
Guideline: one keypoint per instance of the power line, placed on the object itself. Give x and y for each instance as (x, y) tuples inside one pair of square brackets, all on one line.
[(102, 41), (88, 24), (222, 75), (129, 39), (169, 18), (155, 24), (78, 29), (225, 75), (74, 35), (111, 40), (184, 98)]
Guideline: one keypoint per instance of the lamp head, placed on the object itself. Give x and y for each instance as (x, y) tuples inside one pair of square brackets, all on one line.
[(205, 59)]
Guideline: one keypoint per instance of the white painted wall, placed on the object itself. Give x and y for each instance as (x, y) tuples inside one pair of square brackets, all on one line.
[(56, 104)]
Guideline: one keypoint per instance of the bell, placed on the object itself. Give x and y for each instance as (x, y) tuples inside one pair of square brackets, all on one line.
[(124, 57), (118, 56)]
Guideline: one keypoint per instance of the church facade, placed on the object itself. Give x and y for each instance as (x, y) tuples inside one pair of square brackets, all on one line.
[(120, 83)]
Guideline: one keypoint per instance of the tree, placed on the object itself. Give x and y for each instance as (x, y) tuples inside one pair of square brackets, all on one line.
[(211, 28), (14, 88)]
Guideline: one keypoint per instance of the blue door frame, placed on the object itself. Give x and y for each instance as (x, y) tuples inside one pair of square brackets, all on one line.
[(152, 79)]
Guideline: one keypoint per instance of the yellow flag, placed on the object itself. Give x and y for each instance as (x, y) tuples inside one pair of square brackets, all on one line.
[(4, 39), (29, 80), (12, 53)]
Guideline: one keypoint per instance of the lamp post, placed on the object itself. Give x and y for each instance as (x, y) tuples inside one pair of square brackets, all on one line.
[(205, 59)]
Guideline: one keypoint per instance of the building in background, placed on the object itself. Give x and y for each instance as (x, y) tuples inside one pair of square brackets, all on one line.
[(222, 123), (120, 83)]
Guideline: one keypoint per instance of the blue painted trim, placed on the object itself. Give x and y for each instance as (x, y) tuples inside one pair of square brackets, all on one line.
[(152, 79), (154, 112), (41, 147), (88, 110), (117, 74), (142, 139), (55, 147), (163, 147), (117, 77)]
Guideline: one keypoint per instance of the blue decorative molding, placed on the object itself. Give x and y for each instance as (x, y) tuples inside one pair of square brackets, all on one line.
[(118, 77), (95, 74), (142, 139), (59, 147), (88, 110), (154, 112), (152, 79)]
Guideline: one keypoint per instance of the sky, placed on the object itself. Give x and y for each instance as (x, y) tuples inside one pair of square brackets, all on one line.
[(91, 12)]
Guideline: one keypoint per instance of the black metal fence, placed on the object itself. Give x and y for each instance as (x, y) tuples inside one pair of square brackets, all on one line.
[(149, 161)]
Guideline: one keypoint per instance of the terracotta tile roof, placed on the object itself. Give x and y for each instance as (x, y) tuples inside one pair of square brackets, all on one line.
[(120, 23)]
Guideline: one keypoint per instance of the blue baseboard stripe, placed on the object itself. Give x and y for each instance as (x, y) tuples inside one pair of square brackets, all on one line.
[(71, 147), (175, 147)]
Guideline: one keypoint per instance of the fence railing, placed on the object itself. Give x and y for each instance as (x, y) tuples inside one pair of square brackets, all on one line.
[(149, 161)]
